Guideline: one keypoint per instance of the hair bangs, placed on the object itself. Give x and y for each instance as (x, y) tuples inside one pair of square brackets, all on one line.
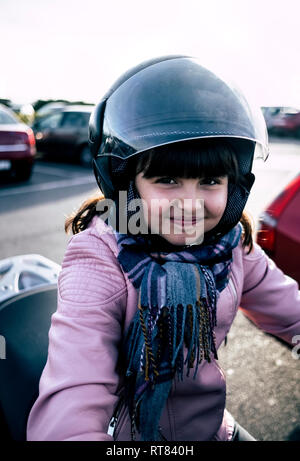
[(188, 159)]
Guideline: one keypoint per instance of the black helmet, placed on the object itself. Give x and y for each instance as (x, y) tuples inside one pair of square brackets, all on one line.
[(166, 100)]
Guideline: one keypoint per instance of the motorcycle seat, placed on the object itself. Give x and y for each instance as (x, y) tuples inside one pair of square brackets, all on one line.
[(24, 325)]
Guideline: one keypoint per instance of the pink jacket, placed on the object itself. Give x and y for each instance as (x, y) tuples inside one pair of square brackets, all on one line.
[(79, 386)]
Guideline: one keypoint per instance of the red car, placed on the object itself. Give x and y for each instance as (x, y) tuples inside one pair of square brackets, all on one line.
[(17, 145), (279, 230)]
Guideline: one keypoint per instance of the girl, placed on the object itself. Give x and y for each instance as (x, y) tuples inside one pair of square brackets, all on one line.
[(147, 293)]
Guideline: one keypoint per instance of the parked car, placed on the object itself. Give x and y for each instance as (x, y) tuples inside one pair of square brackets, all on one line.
[(279, 229), (282, 120), (269, 115), (17, 145), (64, 134)]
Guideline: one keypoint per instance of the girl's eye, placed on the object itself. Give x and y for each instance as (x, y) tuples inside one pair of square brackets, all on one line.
[(210, 181), (166, 180), (203, 181)]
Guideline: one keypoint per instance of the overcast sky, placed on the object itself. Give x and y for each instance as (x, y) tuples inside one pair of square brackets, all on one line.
[(75, 49)]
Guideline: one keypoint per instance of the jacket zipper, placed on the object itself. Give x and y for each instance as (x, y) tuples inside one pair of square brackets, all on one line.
[(115, 417), (112, 426)]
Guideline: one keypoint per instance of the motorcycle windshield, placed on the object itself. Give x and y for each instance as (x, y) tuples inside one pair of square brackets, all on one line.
[(161, 105)]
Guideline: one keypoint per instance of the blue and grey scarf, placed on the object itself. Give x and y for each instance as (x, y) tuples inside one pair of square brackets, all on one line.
[(178, 294)]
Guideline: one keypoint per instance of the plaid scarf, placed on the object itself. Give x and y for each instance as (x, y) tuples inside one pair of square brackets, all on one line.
[(178, 294)]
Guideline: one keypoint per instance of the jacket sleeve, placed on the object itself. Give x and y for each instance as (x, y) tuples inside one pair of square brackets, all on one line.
[(270, 298), (77, 391)]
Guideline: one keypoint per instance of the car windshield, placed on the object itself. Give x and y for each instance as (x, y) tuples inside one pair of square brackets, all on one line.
[(50, 122), (6, 118), (75, 119)]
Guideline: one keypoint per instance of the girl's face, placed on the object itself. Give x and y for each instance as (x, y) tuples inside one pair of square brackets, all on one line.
[(182, 209)]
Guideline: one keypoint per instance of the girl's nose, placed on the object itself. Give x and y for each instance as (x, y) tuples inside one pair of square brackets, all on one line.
[(190, 206), (189, 196)]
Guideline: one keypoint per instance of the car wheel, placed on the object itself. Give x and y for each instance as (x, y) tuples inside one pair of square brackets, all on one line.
[(86, 157), (22, 172)]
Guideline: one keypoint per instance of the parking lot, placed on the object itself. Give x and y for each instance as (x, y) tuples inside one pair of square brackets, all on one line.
[(262, 375)]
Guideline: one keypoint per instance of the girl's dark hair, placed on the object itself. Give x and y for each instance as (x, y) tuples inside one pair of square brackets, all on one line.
[(217, 159)]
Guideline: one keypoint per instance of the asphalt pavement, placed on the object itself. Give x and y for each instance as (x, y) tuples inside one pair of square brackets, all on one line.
[(263, 393)]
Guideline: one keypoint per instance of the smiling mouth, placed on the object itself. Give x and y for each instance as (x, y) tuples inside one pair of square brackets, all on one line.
[(186, 222)]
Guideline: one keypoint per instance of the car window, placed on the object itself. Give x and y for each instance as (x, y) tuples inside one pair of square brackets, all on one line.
[(289, 111), (75, 120), (274, 110), (52, 121), (6, 119), (86, 117)]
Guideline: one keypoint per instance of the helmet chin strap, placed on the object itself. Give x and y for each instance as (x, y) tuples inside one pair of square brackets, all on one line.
[(237, 198)]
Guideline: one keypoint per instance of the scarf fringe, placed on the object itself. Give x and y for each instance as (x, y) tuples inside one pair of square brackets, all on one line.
[(190, 326)]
